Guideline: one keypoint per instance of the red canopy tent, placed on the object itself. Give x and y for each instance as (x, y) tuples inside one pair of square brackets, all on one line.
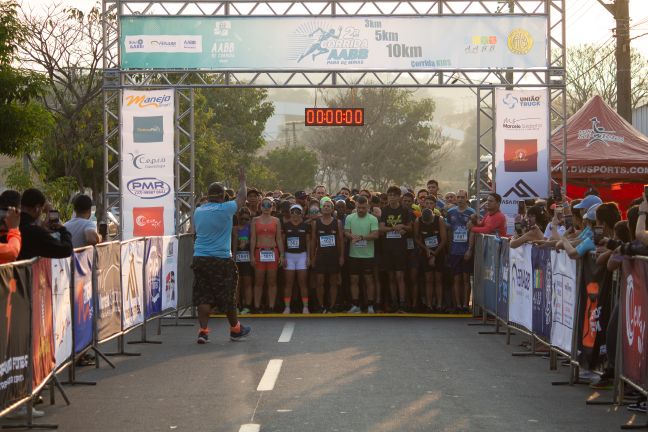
[(603, 151)]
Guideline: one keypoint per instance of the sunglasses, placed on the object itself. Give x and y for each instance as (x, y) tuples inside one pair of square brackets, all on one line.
[(295, 211), (313, 211), (266, 204)]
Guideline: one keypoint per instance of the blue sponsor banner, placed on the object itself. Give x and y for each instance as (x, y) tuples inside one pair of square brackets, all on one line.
[(541, 264), (83, 304), (490, 256), (503, 282), (153, 277)]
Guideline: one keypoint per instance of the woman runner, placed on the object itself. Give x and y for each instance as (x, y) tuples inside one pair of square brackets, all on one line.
[(265, 241)]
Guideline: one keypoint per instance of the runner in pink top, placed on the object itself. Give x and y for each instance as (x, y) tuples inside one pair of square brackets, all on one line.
[(494, 221)]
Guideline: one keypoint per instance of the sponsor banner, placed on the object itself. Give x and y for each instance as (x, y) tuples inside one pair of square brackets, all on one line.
[(185, 273), (350, 43), (634, 316), (153, 277), (83, 302), (521, 148), (62, 309), (612, 170), (542, 282), (43, 359), (15, 288), (132, 267), (563, 292), (109, 298), (490, 255), (503, 281), (520, 286), (148, 183), (170, 273), (478, 271)]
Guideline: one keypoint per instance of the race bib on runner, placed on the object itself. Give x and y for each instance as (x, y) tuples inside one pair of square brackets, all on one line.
[(267, 255), (327, 241), (432, 242), (410, 244), (243, 256), (393, 235), (360, 244), (293, 242), (460, 235)]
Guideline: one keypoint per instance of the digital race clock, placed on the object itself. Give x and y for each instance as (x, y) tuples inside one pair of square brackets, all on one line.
[(334, 117)]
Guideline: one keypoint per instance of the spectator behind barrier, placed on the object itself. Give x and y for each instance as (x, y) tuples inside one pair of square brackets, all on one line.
[(494, 222), (10, 239), (45, 238), (641, 233), (83, 231), (599, 216)]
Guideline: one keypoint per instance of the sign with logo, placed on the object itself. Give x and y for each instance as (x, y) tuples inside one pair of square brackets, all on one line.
[(43, 360), (170, 273), (153, 277), (634, 316), (521, 147), (597, 134), (542, 281), (563, 294), (521, 286), (309, 43), (62, 309), (109, 298), (148, 184), (132, 269)]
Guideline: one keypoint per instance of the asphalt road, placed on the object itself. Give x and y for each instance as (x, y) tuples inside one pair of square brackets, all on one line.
[(335, 374)]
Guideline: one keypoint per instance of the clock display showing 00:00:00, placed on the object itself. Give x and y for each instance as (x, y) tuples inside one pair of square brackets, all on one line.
[(334, 117)]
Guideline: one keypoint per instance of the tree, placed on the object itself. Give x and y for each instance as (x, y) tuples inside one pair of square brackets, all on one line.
[(294, 167), (591, 70), (23, 121), (397, 144)]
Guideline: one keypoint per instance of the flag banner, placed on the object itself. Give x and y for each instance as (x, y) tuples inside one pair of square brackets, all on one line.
[(153, 276), (634, 316), (43, 359), (503, 282), (520, 286), (83, 303), (108, 295), (170, 273), (132, 267), (490, 259), (62, 309), (185, 273), (563, 292), (521, 148), (15, 290), (541, 262)]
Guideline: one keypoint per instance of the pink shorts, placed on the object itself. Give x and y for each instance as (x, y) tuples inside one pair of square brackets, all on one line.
[(270, 265)]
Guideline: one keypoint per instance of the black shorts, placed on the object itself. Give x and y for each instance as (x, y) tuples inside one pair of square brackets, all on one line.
[(394, 259), (358, 266), (327, 264), (244, 269), (215, 282), (439, 263), (458, 265), (413, 260)]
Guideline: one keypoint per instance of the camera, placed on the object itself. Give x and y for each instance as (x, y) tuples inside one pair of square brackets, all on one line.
[(569, 222), (634, 248), (53, 217), (612, 244)]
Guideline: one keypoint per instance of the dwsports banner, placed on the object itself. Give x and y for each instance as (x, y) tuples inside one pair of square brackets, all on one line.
[(347, 43), (170, 273), (109, 297), (153, 277), (132, 267), (15, 288), (148, 184), (541, 263), (521, 148), (62, 309), (490, 257), (520, 286), (563, 282), (634, 316), (43, 359), (83, 306), (503, 282)]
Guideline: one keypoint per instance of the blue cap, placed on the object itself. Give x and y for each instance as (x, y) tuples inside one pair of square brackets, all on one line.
[(591, 212), (588, 201)]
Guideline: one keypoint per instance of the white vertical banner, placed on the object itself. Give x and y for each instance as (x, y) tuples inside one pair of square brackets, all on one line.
[(147, 156), (62, 309), (132, 284), (563, 273), (521, 286), (521, 148), (170, 273)]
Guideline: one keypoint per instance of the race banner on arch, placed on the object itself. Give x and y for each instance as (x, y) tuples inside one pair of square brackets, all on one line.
[(147, 178), (521, 148)]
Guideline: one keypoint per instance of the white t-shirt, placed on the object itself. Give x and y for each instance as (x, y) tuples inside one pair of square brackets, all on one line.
[(561, 230), (78, 228)]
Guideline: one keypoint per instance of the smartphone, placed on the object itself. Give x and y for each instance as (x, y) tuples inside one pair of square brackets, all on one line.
[(103, 229), (569, 222), (557, 193), (598, 234), (521, 208), (53, 216), (3, 214), (518, 228)]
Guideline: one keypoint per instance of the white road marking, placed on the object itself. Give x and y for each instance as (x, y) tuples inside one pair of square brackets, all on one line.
[(250, 428), (287, 332), (270, 375)]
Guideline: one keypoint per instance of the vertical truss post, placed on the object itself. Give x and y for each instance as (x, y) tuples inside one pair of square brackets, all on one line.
[(485, 142), (185, 165)]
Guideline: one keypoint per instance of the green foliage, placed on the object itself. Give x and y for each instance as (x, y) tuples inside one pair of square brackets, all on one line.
[(294, 168), (17, 178)]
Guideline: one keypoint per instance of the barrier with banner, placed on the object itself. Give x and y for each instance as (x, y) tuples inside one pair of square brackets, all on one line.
[(43, 359), (520, 295), (633, 310), (153, 277), (490, 257), (83, 311), (108, 291), (563, 293), (62, 309), (541, 313), (132, 267), (503, 278)]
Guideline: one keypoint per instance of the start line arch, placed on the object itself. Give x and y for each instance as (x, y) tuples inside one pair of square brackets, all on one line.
[(182, 45)]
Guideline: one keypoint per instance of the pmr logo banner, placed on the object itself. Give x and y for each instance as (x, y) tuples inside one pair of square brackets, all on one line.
[(148, 188)]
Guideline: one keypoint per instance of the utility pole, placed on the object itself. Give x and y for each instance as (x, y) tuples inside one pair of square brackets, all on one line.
[(620, 10)]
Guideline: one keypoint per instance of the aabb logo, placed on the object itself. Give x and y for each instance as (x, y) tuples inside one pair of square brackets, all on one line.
[(148, 221), (144, 101), (148, 188)]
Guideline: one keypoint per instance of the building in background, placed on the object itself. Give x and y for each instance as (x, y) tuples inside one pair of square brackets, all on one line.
[(640, 119)]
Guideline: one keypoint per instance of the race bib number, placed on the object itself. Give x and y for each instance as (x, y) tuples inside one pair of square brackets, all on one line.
[(243, 256), (432, 242), (327, 241), (293, 242), (460, 235), (267, 255), (410, 244), (360, 244), (393, 235)]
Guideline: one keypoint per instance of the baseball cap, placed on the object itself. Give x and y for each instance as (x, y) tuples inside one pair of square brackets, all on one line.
[(591, 212), (588, 202), (296, 206), (324, 200), (301, 194)]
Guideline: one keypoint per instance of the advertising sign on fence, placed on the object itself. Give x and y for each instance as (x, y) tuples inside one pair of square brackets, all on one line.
[(83, 307), (132, 267), (153, 277), (170, 273), (634, 317), (62, 309), (43, 359), (109, 297), (521, 148), (148, 185), (185, 274), (520, 286), (594, 311), (490, 257), (503, 282), (15, 288), (340, 43), (563, 282), (541, 263)]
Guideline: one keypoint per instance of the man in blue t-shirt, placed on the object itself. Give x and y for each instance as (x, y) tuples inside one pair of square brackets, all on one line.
[(215, 272), (461, 243)]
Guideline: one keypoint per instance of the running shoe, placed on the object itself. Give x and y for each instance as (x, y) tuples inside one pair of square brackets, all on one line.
[(638, 406), (245, 331), (21, 413), (305, 311), (203, 337), (354, 310), (603, 384), (245, 311), (370, 310), (286, 310)]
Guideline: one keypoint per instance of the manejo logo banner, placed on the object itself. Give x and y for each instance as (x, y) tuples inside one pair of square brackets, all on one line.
[(147, 185), (521, 148)]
